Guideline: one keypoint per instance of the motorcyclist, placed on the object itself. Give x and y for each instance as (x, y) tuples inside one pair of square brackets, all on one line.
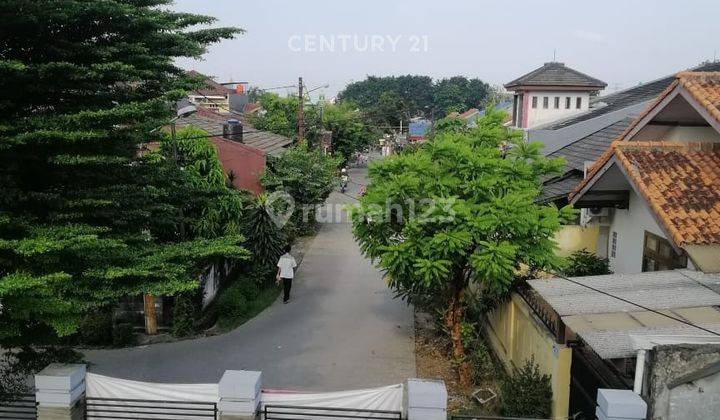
[(344, 179)]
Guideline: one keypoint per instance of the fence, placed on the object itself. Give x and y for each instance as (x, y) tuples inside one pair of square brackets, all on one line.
[(18, 407), (122, 409), (484, 417), (291, 412)]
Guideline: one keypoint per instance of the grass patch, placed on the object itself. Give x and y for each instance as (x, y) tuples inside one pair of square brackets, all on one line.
[(235, 308)]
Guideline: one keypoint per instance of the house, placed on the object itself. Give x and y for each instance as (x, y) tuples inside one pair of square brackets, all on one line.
[(550, 93), (220, 98), (607, 332), (418, 129), (658, 184), (241, 149)]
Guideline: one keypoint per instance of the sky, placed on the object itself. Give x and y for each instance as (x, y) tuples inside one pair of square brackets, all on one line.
[(336, 42)]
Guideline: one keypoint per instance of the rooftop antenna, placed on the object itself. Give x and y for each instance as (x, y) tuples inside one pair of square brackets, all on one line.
[(554, 56)]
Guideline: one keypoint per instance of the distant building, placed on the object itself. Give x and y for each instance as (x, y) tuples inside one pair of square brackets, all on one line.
[(418, 129), (550, 93)]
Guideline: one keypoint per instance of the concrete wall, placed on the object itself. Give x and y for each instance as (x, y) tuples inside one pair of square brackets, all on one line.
[(539, 116), (697, 399), (630, 225), (571, 238), (515, 334)]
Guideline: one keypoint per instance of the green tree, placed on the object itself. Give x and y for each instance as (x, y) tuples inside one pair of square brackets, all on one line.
[(84, 221), (350, 134), (459, 211), (526, 393), (307, 175)]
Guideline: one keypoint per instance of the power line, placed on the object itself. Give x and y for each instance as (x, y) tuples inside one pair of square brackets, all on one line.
[(637, 304)]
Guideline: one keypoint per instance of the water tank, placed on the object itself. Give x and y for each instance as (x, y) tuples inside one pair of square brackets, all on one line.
[(233, 130)]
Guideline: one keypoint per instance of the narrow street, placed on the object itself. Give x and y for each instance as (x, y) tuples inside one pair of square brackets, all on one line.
[(342, 329)]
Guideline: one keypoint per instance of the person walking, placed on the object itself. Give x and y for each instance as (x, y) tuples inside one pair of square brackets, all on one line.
[(286, 272)]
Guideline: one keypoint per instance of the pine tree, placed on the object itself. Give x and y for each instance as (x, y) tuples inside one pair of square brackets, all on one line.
[(84, 221)]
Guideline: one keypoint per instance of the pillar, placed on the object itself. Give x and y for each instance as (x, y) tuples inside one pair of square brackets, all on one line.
[(60, 391), (425, 400), (620, 404), (239, 392)]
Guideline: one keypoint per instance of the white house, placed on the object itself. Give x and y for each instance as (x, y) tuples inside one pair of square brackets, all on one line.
[(550, 93), (656, 190)]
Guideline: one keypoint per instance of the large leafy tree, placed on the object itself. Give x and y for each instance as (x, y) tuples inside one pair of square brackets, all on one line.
[(456, 212), (350, 134), (84, 221)]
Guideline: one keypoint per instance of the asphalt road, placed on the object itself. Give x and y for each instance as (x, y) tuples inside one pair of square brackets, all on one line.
[(341, 330)]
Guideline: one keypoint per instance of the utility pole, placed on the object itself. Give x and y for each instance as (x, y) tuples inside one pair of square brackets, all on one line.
[(301, 111)]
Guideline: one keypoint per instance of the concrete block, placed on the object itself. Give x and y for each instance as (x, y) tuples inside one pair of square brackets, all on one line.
[(602, 416), (60, 377), (77, 412), (621, 403), (227, 406), (59, 399), (425, 400), (240, 384)]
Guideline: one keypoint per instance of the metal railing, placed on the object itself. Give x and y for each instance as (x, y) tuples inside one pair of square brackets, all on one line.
[(543, 311), (18, 407), (123, 409), (290, 412), (484, 417)]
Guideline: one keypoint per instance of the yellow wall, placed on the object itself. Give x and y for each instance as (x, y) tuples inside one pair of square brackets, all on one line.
[(571, 238), (516, 334)]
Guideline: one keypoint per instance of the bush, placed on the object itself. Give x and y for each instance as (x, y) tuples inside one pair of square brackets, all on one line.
[(184, 315), (123, 335), (584, 263), (527, 393), (232, 303), (96, 328), (481, 362)]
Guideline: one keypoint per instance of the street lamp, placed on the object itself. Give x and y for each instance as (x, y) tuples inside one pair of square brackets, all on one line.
[(183, 112)]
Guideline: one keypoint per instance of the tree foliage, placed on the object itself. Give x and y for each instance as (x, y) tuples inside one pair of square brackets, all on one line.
[(307, 175), (527, 393), (388, 99), (459, 211), (84, 221), (585, 263)]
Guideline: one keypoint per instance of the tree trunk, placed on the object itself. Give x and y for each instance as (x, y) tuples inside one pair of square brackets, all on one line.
[(453, 321), (150, 319)]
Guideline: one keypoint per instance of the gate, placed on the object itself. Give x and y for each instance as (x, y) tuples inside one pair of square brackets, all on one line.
[(18, 407), (127, 409), (291, 412)]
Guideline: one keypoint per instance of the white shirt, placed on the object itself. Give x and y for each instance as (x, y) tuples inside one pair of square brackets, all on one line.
[(287, 265)]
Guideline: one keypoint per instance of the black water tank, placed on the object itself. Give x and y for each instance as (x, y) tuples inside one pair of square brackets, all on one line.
[(233, 130)]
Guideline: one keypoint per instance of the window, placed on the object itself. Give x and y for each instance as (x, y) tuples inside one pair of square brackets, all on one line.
[(557, 102), (659, 255), (568, 102), (578, 102), (534, 102), (613, 245), (546, 102)]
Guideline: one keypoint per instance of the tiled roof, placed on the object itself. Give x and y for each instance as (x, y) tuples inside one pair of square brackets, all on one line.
[(705, 88), (212, 122), (211, 87), (680, 182), (628, 97), (587, 149), (557, 74)]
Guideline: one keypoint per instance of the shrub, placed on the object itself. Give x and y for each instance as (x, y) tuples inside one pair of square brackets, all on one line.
[(96, 328), (527, 393), (249, 289), (184, 315), (124, 335), (584, 263), (232, 303), (481, 362)]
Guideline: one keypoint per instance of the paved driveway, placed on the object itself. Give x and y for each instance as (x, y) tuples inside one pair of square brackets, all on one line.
[(342, 330)]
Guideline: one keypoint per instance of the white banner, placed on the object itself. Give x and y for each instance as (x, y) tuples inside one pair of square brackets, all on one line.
[(389, 398), (98, 386)]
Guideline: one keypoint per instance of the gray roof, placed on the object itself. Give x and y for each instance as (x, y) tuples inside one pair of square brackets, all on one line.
[(655, 290), (619, 100), (557, 74), (559, 188), (590, 148), (270, 143)]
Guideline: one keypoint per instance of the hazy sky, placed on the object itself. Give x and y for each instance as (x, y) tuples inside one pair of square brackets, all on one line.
[(335, 42)]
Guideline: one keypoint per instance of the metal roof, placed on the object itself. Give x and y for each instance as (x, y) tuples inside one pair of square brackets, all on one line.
[(654, 290)]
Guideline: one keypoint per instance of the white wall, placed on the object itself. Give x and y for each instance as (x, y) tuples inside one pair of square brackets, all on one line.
[(630, 225), (681, 134), (539, 116)]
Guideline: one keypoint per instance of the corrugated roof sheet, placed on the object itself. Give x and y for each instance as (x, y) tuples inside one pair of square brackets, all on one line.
[(655, 290)]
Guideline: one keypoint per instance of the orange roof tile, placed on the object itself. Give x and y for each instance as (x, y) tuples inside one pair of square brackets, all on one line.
[(680, 182), (704, 87)]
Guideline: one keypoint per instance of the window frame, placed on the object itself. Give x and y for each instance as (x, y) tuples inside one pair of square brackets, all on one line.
[(578, 102), (557, 102), (534, 102), (568, 102), (546, 102), (662, 257)]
